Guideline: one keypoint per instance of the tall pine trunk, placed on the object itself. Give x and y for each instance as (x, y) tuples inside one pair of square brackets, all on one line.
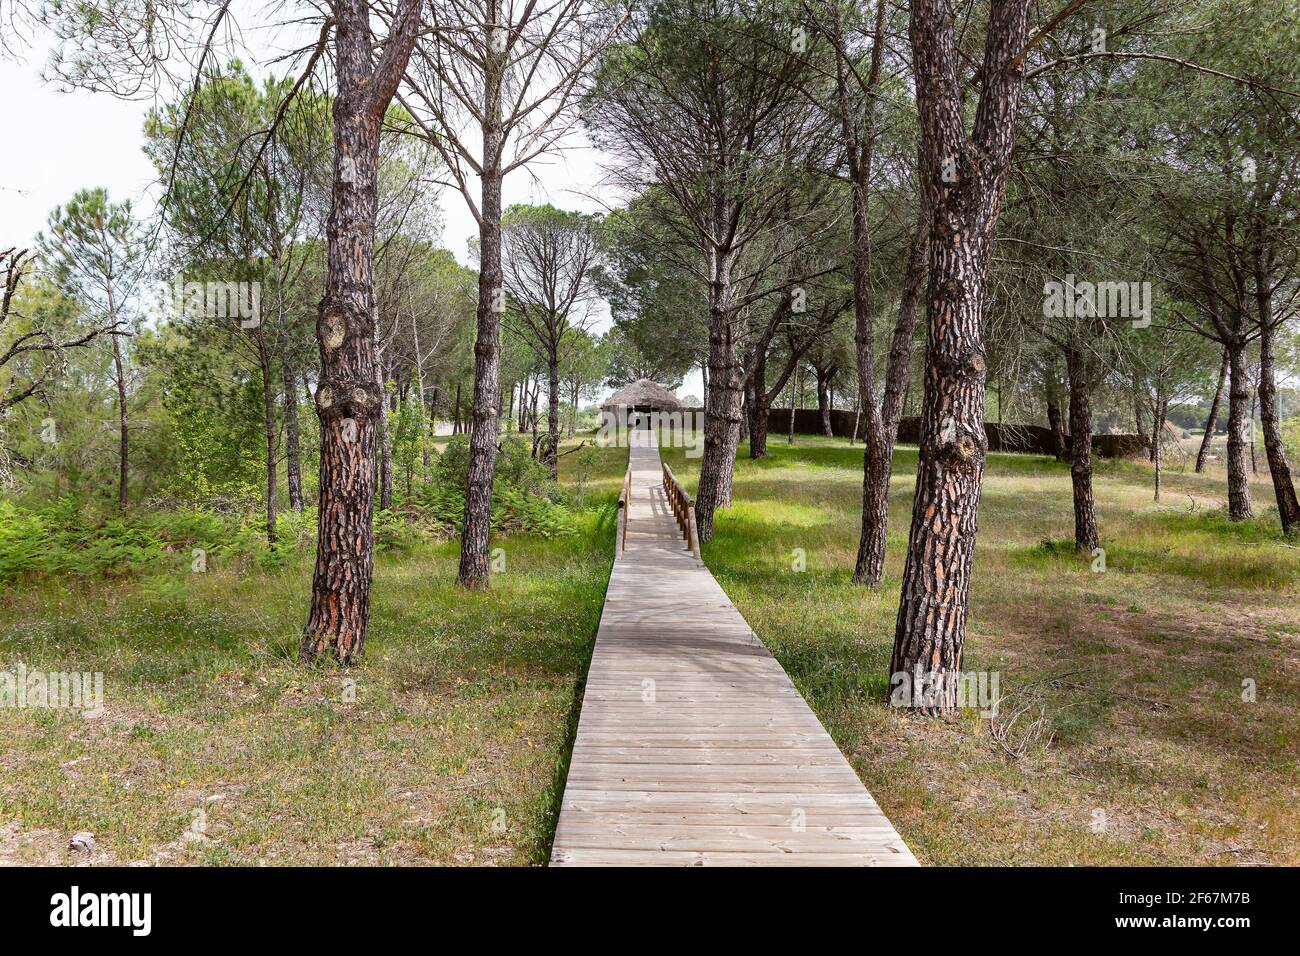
[(474, 538), (123, 435), (747, 408), (725, 387), (1212, 420), (1239, 508), (292, 430), (1085, 509), (1279, 469), (964, 178), (1254, 403), (553, 416), (759, 405), (347, 398), (1157, 426), (487, 365), (878, 457)]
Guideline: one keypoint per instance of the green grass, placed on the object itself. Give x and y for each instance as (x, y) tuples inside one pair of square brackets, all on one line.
[(446, 746), (1137, 672), (455, 748)]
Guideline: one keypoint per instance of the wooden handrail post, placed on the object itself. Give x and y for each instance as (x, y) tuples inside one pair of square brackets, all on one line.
[(624, 496), (683, 509)]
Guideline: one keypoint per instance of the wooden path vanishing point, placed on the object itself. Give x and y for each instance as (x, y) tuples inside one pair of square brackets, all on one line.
[(693, 747)]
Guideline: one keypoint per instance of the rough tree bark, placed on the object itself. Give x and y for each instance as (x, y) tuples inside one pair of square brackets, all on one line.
[(1085, 511), (1239, 508), (1212, 420), (347, 396), (878, 456), (475, 532), (270, 429), (292, 431), (824, 377), (725, 389), (1279, 469), (123, 435), (964, 178)]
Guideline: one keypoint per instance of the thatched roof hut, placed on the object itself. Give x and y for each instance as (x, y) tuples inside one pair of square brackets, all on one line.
[(644, 395)]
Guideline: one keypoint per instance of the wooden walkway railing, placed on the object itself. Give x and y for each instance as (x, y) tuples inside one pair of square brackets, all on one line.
[(620, 542), (683, 510)]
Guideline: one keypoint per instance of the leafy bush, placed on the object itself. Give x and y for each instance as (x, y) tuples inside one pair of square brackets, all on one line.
[(396, 531), (524, 498), (514, 511), (515, 467)]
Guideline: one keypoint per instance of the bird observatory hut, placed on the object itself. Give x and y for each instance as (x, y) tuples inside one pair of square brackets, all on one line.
[(641, 404)]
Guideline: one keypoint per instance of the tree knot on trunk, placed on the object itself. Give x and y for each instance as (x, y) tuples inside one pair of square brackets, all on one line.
[(347, 399), (333, 327), (966, 364), (958, 443)]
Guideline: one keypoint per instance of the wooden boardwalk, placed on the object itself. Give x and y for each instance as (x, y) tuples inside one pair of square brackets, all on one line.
[(693, 747)]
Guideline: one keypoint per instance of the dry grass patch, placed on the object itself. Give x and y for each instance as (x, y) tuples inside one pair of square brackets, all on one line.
[(1148, 753)]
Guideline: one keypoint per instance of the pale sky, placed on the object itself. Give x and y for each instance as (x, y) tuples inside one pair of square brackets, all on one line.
[(59, 143)]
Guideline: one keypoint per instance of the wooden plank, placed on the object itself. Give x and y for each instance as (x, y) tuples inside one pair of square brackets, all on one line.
[(741, 804), (693, 746), (587, 856), (734, 838)]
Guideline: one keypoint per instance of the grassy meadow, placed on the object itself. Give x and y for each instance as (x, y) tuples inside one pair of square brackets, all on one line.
[(448, 745), (1131, 742)]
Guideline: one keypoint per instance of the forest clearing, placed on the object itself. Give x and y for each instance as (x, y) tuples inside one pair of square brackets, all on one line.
[(1140, 682), (493, 434)]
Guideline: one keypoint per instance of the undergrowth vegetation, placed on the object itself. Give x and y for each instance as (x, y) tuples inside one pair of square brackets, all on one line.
[(89, 538), (446, 745)]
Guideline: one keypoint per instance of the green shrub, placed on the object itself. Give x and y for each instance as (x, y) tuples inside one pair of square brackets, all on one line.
[(514, 511), (515, 467), (24, 542), (524, 498), (64, 538)]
